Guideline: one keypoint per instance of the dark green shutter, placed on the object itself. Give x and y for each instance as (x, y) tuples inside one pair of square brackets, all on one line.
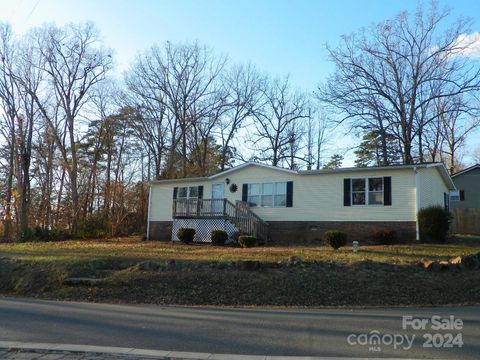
[(289, 193), (387, 191), (175, 191), (245, 192), (346, 192), (200, 192)]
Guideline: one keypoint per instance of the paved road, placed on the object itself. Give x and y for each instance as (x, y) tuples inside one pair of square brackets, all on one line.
[(237, 331), (16, 354)]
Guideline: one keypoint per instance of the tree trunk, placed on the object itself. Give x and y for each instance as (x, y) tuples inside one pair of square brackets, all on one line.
[(73, 173), (8, 199)]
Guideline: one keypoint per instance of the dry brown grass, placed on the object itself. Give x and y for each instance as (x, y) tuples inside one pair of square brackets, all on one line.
[(136, 249), (204, 275)]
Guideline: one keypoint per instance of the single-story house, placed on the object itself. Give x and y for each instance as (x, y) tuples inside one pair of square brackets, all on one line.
[(289, 206), (465, 201)]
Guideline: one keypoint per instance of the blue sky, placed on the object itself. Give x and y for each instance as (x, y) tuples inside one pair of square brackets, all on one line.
[(281, 37), (278, 36)]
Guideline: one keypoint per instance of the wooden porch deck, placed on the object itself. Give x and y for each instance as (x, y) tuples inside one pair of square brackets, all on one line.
[(239, 214)]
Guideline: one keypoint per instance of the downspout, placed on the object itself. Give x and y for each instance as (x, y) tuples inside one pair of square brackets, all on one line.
[(417, 202), (148, 211)]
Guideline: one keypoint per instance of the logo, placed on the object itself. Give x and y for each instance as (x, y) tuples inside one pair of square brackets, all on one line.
[(374, 340), (436, 332)]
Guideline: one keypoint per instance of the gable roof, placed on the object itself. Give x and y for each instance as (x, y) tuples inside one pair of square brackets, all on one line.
[(226, 172), (251, 163), (440, 167), (476, 166)]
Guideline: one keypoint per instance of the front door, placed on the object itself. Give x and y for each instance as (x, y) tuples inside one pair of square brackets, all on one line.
[(218, 193)]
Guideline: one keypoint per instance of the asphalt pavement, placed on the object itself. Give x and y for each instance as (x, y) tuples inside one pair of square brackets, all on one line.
[(413, 333)]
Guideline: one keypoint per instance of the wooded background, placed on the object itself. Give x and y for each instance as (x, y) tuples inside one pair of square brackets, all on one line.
[(79, 143)]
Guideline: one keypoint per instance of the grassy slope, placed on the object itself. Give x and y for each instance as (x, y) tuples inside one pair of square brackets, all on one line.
[(378, 275)]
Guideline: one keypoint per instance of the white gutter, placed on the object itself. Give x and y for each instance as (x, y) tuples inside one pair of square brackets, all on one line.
[(148, 211), (417, 202)]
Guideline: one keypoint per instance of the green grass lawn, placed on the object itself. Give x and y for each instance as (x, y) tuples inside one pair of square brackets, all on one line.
[(207, 275)]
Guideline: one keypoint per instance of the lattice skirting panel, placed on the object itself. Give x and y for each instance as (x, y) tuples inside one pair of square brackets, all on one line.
[(203, 227)]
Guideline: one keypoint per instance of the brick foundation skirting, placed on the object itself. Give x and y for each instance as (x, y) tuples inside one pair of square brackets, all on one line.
[(307, 232), (161, 230), (310, 232)]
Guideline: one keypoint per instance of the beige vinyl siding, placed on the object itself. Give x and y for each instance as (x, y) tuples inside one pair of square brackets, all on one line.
[(319, 197), (162, 199), (316, 197), (431, 187)]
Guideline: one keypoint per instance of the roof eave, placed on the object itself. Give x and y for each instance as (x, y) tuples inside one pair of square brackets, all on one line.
[(222, 173), (169, 181), (473, 167), (358, 169)]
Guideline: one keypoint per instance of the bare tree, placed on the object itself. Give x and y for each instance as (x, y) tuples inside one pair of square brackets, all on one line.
[(394, 70), (145, 96), (73, 63), (27, 119), (476, 155), (310, 141), (10, 109), (177, 85), (279, 123), (455, 126), (320, 133), (243, 96)]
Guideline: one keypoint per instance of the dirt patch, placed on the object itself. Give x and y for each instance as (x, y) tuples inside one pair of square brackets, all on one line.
[(363, 283)]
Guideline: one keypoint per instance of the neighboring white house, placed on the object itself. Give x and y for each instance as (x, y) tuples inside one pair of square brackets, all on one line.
[(296, 206)]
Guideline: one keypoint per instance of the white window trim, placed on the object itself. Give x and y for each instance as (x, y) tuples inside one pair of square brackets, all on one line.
[(367, 191), (274, 193)]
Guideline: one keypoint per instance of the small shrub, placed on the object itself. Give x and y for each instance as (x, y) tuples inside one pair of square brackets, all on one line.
[(93, 227), (384, 237), (336, 239), (433, 223), (186, 235), (219, 237), (247, 241), (39, 233), (44, 234), (28, 236)]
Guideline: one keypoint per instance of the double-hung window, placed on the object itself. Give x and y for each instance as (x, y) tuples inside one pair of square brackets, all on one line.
[(185, 192), (280, 197), (186, 197), (254, 194), (367, 191), (268, 194), (375, 191), (358, 192)]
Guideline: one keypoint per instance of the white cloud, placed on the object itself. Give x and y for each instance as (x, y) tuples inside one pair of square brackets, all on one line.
[(469, 44)]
